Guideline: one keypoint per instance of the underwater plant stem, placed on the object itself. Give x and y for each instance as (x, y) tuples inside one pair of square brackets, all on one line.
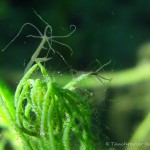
[(141, 135), (19, 107), (18, 130), (51, 123), (44, 114), (21, 83), (75, 81), (5, 108), (66, 135)]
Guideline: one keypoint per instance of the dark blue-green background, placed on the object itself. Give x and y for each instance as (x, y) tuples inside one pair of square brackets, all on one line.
[(106, 30)]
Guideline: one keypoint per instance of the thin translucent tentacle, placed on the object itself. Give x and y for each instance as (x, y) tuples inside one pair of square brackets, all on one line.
[(34, 36), (65, 36), (41, 18), (19, 34), (64, 45)]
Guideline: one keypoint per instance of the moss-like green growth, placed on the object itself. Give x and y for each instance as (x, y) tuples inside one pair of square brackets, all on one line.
[(46, 115), (50, 117)]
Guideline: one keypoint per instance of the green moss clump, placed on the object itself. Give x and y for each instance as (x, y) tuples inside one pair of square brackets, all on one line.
[(48, 116)]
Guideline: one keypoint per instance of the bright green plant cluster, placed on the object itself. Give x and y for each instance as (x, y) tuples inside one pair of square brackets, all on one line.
[(47, 116)]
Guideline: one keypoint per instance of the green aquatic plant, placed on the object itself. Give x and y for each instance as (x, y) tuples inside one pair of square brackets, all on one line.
[(48, 116)]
